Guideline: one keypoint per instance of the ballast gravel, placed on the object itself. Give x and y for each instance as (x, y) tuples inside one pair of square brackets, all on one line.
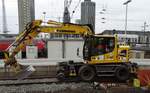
[(49, 88), (62, 88)]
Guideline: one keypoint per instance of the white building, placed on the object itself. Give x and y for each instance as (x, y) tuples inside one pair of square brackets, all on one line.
[(129, 38)]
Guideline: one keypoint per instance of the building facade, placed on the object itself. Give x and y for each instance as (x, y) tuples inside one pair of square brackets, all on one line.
[(57, 36), (135, 38), (88, 13), (26, 13)]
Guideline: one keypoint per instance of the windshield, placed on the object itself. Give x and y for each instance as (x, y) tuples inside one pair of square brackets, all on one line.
[(98, 46)]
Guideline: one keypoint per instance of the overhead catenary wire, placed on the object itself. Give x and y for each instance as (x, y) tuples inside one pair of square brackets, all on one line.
[(74, 10)]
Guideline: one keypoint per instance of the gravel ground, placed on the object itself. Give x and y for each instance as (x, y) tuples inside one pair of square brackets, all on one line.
[(52, 88), (66, 88)]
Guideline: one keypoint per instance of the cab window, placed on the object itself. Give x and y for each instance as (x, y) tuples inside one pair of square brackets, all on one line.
[(102, 45)]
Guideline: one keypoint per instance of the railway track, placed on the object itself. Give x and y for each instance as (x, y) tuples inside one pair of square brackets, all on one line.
[(31, 77), (42, 81), (28, 82)]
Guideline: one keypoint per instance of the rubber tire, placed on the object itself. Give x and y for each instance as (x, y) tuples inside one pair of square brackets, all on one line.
[(122, 73), (84, 75)]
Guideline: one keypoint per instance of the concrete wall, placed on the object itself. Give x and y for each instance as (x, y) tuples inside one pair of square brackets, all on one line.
[(71, 49), (64, 49), (55, 49)]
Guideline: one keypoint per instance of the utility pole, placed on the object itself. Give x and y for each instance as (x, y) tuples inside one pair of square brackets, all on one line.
[(145, 26), (44, 17), (144, 29), (126, 18)]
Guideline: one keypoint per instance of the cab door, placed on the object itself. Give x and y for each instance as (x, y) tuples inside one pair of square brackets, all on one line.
[(100, 49)]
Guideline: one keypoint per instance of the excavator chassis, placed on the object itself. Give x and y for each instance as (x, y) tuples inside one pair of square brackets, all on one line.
[(113, 72)]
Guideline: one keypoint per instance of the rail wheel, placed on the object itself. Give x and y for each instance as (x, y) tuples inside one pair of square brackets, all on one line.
[(86, 73), (60, 76)]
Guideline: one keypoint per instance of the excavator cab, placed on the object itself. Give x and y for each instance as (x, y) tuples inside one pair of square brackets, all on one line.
[(98, 45)]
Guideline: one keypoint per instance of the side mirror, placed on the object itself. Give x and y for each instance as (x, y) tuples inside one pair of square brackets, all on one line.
[(78, 51)]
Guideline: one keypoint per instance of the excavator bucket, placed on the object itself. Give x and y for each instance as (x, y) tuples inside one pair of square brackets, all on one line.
[(22, 71), (25, 71)]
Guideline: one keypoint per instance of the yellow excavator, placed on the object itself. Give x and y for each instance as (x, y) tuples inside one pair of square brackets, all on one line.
[(104, 59)]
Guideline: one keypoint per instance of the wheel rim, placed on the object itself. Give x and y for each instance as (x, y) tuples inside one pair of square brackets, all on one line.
[(122, 73), (87, 73)]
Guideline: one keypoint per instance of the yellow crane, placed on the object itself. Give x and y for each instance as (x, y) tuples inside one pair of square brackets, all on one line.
[(104, 58)]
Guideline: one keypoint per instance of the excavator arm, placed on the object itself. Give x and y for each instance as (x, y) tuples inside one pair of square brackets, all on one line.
[(31, 31)]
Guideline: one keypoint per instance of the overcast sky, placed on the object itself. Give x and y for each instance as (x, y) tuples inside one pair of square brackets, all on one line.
[(139, 12)]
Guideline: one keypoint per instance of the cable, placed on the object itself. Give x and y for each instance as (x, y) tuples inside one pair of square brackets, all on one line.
[(69, 3), (75, 8)]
